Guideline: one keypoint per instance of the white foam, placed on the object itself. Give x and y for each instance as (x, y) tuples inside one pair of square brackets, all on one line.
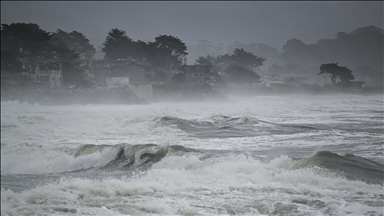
[(180, 184), (37, 139), (42, 161)]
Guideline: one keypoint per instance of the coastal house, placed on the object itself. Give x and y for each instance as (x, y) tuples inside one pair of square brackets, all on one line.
[(138, 71), (283, 80), (196, 75), (47, 78), (133, 73), (38, 78), (351, 84), (143, 91), (293, 82)]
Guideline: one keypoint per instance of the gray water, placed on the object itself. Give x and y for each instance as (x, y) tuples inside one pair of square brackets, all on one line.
[(293, 155)]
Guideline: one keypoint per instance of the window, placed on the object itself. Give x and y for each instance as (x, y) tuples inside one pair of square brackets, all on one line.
[(201, 81), (201, 75)]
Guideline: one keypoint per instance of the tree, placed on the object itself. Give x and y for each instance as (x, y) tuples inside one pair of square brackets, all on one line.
[(294, 51), (27, 42), (206, 60), (117, 45), (241, 75), (336, 72), (67, 60), (241, 58), (139, 49), (247, 59), (169, 51), (258, 49), (9, 62), (28, 45), (224, 61), (362, 47), (78, 42)]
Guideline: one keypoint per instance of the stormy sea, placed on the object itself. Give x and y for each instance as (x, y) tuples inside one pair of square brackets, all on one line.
[(261, 155)]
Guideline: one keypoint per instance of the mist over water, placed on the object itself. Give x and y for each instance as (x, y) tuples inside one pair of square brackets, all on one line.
[(262, 155)]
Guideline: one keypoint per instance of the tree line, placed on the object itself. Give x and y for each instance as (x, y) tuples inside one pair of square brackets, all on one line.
[(238, 67), (27, 45), (165, 54), (361, 49)]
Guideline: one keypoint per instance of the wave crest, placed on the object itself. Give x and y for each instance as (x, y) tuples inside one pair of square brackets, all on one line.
[(351, 166)]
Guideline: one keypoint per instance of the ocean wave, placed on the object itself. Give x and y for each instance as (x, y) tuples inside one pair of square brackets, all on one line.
[(351, 166), (128, 157), (183, 182), (134, 156), (221, 126), (90, 157)]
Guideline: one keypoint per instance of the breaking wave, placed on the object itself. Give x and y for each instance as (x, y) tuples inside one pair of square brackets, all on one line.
[(351, 166), (124, 157), (133, 156), (221, 126)]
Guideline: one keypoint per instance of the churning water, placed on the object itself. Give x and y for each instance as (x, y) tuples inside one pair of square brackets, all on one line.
[(294, 155)]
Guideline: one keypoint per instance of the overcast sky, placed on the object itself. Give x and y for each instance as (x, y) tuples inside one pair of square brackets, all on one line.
[(272, 22)]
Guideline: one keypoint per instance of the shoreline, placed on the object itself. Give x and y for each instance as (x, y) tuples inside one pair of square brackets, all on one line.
[(124, 95)]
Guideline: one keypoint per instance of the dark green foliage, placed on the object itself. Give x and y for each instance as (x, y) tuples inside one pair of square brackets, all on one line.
[(291, 68), (75, 41), (117, 45), (246, 59), (336, 72), (33, 47), (294, 51), (363, 47), (238, 66), (9, 63), (241, 75), (209, 60), (169, 52), (165, 54), (27, 42), (239, 57)]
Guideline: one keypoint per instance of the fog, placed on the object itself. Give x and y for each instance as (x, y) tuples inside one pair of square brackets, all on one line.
[(271, 23), (271, 137)]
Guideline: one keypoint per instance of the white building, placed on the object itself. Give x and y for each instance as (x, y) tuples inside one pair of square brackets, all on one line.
[(51, 77)]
